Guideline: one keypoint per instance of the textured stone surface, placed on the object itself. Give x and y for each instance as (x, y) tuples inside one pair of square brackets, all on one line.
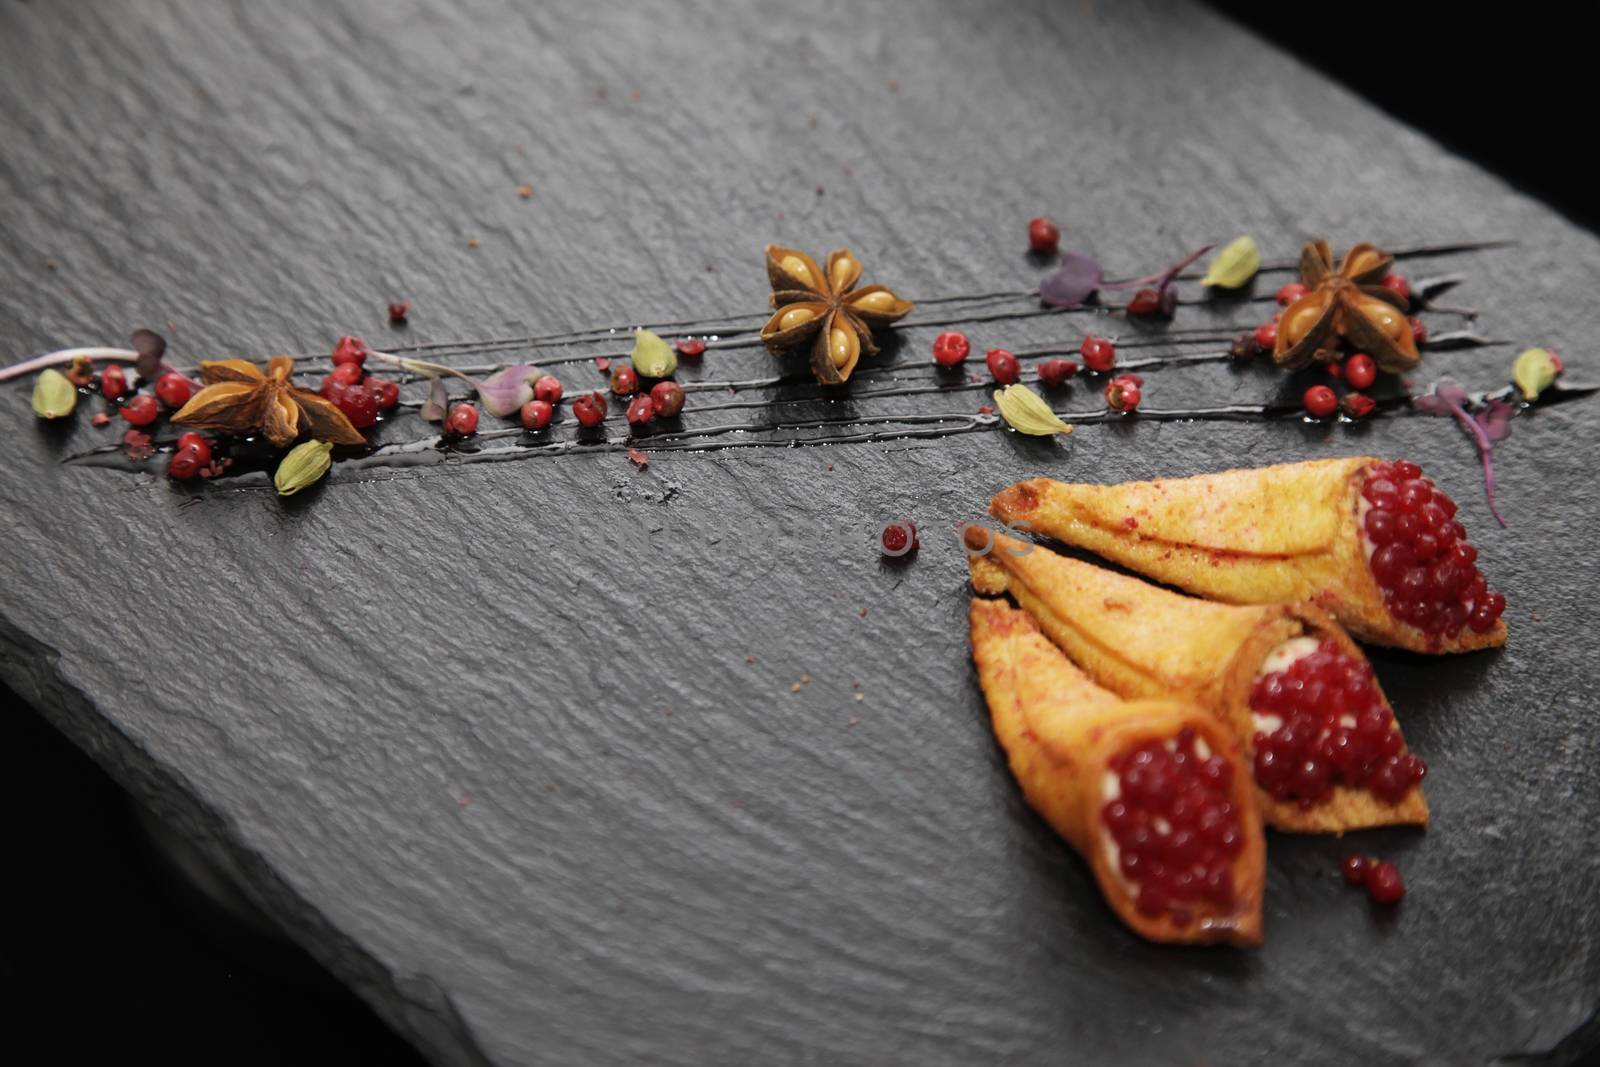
[(513, 747)]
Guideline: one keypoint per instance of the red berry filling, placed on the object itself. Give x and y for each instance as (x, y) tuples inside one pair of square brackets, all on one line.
[(1420, 557), (1320, 723), (1175, 826)]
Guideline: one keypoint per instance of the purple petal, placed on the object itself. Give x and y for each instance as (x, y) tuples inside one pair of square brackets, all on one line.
[(504, 391), (1077, 279), (433, 408)]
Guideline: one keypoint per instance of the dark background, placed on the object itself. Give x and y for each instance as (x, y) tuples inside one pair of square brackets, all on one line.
[(106, 954)]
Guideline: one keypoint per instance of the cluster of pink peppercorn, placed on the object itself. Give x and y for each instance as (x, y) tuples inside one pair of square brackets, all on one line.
[(1122, 391), (192, 457), (1358, 371), (362, 396), (664, 398)]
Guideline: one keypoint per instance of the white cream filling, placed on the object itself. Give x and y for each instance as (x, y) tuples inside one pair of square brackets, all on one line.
[(1281, 658), (1111, 789)]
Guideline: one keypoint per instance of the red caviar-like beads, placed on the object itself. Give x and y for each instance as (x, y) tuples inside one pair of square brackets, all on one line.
[(1098, 353), (899, 538), (1419, 331), (691, 347), (1266, 336), (1291, 292), (1420, 557), (1043, 235), (1384, 884), (1354, 868), (1003, 366), (1332, 728), (950, 348), (1176, 829)]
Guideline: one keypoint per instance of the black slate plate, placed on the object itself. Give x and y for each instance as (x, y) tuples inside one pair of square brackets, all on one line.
[(512, 747)]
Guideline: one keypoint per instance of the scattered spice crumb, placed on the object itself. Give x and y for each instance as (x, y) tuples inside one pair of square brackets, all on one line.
[(473, 242), (860, 697), (399, 311), (749, 659), (894, 86), (795, 688), (638, 457), (805, 679), (634, 94), (853, 722), (602, 364), (862, 613), (985, 409), (100, 419), (820, 190), (50, 264), (525, 191), (466, 800)]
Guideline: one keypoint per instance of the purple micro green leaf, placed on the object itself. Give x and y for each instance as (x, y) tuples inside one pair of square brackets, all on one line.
[(1161, 278), (504, 391), (1448, 398), (1077, 279), (1496, 420)]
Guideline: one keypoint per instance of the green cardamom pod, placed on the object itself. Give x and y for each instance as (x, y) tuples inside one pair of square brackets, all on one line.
[(653, 357), (1027, 412), (1534, 372), (54, 395), (304, 466), (1235, 265)]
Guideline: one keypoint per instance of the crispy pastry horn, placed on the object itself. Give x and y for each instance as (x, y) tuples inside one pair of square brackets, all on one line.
[(1256, 536), (1141, 641), (1061, 733)]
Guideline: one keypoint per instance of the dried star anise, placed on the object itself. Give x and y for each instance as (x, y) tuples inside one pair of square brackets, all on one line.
[(826, 306), (239, 398), (1345, 303)]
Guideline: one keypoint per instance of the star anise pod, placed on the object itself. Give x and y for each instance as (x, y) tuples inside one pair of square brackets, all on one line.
[(825, 308), (1345, 303), (238, 398)]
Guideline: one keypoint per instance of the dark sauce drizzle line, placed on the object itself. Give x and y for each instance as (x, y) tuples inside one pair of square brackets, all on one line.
[(600, 333)]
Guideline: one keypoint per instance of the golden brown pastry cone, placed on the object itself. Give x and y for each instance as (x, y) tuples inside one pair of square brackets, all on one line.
[(1141, 641), (1256, 536), (1060, 732)]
